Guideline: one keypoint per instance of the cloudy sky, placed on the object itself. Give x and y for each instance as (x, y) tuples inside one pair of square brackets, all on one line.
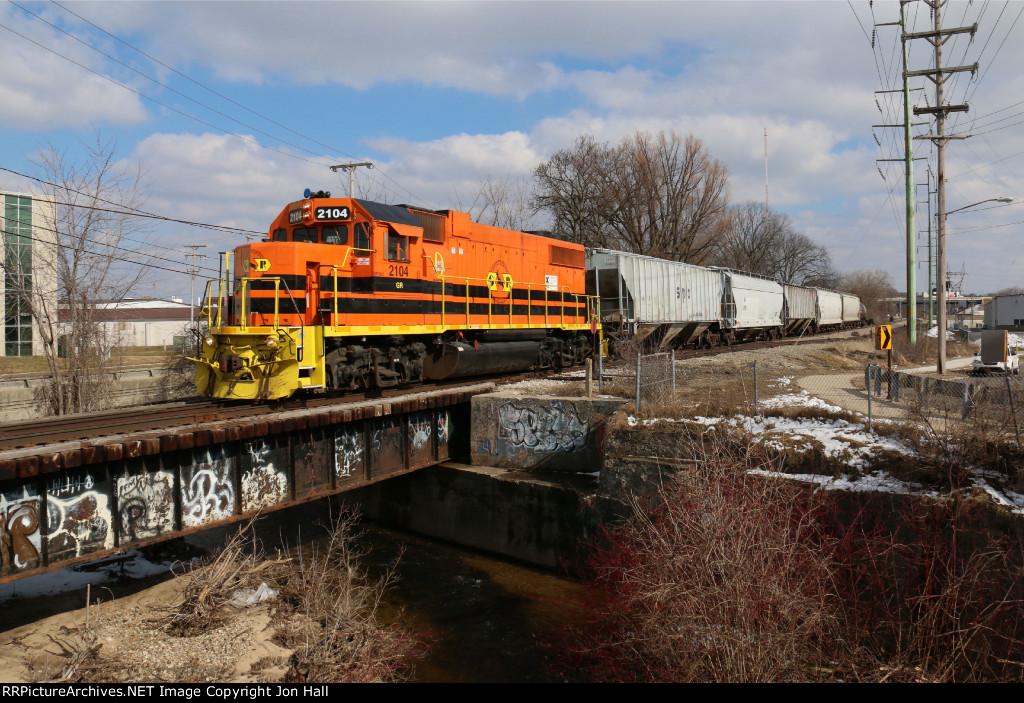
[(231, 109)]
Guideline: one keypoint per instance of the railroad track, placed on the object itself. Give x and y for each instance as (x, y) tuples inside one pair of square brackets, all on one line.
[(690, 353), (89, 426)]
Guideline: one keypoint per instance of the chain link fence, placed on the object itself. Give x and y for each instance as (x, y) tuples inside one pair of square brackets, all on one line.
[(656, 383)]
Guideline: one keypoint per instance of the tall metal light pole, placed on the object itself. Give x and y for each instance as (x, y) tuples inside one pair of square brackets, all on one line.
[(941, 264)]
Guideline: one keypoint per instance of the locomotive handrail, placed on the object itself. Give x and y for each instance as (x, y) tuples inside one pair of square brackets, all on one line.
[(334, 268), (349, 250), (278, 281)]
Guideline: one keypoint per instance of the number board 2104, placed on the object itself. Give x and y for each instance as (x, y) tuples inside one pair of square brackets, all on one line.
[(331, 213)]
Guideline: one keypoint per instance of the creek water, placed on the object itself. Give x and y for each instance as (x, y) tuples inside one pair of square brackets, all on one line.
[(486, 619)]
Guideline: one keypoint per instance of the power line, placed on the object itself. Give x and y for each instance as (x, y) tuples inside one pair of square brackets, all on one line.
[(158, 82), (134, 212), (1001, 44), (100, 254), (335, 149), (201, 85), (157, 102), (115, 247)]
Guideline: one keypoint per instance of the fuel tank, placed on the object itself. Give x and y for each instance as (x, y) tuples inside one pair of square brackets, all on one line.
[(468, 358)]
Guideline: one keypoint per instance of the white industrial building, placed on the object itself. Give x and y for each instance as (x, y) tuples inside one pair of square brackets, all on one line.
[(1005, 312), (143, 322)]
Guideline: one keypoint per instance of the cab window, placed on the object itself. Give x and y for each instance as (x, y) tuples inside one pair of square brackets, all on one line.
[(398, 247), (361, 236), (304, 234), (335, 234), (281, 235)]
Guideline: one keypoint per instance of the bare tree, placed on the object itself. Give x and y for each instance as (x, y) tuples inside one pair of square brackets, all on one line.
[(1012, 290), (802, 262), (761, 240), (671, 197), (659, 195), (573, 188), (873, 288), (91, 260), (504, 202), (753, 238)]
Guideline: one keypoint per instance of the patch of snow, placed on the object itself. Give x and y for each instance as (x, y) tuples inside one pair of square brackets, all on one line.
[(801, 399), (849, 443), (878, 482), (934, 333)]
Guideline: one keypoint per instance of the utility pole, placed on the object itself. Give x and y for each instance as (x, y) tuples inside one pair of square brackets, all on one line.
[(937, 75), (931, 263), (351, 168), (908, 159), (192, 290)]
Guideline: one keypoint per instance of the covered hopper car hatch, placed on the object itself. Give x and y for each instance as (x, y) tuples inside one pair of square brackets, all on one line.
[(348, 294)]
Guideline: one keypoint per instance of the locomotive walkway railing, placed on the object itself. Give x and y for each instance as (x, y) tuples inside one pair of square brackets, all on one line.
[(499, 297)]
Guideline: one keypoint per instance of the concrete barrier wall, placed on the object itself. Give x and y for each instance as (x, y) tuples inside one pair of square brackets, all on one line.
[(543, 522), (539, 433), (18, 396)]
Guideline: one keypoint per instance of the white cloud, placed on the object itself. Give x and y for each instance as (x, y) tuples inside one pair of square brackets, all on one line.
[(220, 180), (41, 90)]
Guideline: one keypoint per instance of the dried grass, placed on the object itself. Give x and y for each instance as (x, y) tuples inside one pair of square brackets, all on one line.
[(723, 582), (740, 579), (326, 607), (334, 631), (77, 655), (240, 564)]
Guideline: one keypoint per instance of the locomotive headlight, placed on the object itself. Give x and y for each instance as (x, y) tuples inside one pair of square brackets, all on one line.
[(209, 341), (271, 341)]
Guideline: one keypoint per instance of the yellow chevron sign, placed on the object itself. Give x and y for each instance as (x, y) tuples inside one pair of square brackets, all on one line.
[(883, 337)]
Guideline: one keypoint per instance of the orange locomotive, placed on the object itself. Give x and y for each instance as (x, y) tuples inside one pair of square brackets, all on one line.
[(348, 294)]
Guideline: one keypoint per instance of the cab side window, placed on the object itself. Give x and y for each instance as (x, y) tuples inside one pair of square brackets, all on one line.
[(361, 236), (281, 235), (398, 248)]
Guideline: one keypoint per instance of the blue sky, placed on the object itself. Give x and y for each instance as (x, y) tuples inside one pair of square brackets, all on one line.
[(442, 95)]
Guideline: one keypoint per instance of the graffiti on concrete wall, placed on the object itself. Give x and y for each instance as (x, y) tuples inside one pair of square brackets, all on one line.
[(19, 529), (542, 427), (349, 451), (207, 489), (78, 516), (145, 503), (263, 484)]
